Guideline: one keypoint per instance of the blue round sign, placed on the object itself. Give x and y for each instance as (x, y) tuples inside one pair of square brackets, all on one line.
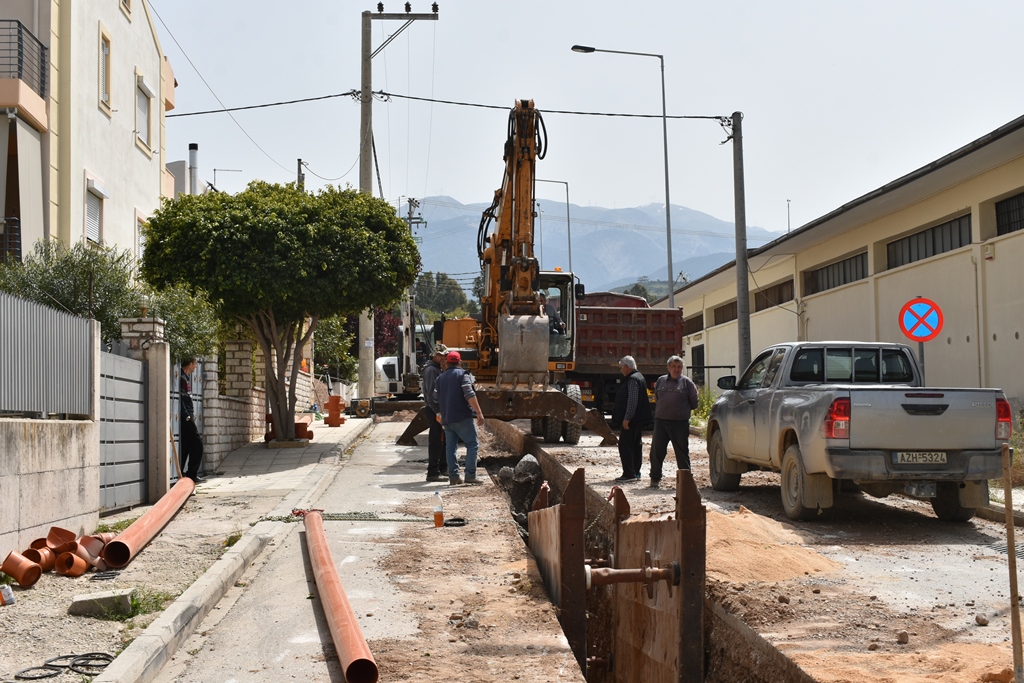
[(921, 319)]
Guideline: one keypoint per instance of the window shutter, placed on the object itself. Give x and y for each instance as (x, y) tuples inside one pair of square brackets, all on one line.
[(93, 217), (142, 124), (140, 243), (104, 76)]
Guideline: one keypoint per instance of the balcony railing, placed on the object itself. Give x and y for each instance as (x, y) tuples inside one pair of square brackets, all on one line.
[(22, 55)]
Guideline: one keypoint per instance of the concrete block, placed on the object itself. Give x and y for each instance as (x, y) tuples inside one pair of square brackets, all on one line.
[(115, 602), (10, 510)]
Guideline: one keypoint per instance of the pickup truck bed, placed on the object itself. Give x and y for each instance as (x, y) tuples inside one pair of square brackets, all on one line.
[(824, 412)]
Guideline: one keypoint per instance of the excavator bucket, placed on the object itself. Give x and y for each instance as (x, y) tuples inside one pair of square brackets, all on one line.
[(523, 354)]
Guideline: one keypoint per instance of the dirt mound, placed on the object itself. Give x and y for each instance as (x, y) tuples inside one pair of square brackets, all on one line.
[(744, 546)]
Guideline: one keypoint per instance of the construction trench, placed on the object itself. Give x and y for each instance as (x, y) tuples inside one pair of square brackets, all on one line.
[(629, 590)]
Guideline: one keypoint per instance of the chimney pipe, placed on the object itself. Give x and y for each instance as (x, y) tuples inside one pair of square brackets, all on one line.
[(193, 167)]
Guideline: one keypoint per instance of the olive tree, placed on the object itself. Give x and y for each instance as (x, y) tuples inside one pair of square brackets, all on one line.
[(278, 259)]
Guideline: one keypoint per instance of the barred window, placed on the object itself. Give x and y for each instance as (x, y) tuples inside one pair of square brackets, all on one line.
[(773, 296), (837, 274), (724, 314), (1010, 215), (931, 242)]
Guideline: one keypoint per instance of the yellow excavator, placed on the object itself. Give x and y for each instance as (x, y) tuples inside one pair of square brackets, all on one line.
[(524, 343)]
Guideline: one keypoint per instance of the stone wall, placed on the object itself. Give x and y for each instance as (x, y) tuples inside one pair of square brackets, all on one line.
[(236, 419), (49, 476)]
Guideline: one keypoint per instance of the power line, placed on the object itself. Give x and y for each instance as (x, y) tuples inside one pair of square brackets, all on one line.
[(189, 60), (384, 96), (350, 93)]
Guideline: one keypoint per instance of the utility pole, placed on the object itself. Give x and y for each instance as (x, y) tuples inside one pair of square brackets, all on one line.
[(407, 361), (365, 341), (300, 177), (742, 287)]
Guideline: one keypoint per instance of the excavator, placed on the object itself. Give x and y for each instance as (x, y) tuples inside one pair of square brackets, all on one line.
[(521, 348)]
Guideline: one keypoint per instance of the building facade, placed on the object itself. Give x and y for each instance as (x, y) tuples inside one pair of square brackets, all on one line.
[(85, 87), (951, 231)]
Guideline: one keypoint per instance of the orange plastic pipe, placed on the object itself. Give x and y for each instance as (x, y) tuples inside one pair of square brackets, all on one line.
[(356, 659), (122, 549)]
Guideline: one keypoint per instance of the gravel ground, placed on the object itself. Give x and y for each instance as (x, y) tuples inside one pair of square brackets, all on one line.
[(37, 627)]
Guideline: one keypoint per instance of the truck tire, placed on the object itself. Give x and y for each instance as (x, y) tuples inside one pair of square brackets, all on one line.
[(570, 430), (720, 479), (794, 481), (552, 429), (537, 426), (946, 503)]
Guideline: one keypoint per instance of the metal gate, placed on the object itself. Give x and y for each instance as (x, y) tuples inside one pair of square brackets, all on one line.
[(123, 460), (197, 404)]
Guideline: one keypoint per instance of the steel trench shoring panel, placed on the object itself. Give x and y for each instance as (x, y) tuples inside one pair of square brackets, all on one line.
[(557, 542)]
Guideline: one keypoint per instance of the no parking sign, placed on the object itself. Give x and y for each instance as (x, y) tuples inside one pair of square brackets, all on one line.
[(921, 319)]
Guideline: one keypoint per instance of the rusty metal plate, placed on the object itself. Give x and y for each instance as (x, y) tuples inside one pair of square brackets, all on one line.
[(513, 404)]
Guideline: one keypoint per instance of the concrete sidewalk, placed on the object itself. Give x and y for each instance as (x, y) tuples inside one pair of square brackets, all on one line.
[(282, 479)]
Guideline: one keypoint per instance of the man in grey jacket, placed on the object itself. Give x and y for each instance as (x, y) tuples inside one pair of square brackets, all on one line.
[(676, 397), (437, 467)]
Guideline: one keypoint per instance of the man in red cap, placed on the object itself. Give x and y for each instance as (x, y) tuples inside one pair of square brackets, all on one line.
[(460, 413)]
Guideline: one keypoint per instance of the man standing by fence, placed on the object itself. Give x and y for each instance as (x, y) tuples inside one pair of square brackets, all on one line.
[(191, 440)]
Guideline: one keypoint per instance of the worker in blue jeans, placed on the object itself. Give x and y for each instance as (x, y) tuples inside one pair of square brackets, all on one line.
[(460, 414)]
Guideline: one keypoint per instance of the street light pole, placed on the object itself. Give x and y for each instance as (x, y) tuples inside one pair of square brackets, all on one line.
[(568, 226), (664, 131)]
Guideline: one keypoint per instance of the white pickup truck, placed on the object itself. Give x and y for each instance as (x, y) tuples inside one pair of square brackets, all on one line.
[(827, 414)]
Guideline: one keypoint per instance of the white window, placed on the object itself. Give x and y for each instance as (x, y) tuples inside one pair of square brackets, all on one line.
[(142, 122), (105, 71), (144, 99), (95, 194), (140, 243), (93, 217)]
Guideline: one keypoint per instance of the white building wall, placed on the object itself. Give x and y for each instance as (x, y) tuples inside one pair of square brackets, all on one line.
[(104, 144)]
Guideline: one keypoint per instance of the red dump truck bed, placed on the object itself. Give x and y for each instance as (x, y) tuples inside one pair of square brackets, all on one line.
[(611, 325)]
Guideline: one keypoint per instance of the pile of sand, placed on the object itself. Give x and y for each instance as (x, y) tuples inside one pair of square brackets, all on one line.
[(745, 546)]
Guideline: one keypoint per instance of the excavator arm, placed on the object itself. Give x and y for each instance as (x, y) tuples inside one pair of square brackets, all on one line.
[(514, 329)]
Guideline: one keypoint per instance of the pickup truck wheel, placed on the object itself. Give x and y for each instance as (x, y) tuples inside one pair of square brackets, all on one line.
[(570, 430), (552, 430), (537, 426), (946, 503), (794, 480), (720, 479)]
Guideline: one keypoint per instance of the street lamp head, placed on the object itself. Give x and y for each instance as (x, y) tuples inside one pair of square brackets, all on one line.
[(583, 48)]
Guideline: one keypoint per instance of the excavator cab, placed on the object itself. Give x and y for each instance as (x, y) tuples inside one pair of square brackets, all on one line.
[(559, 306)]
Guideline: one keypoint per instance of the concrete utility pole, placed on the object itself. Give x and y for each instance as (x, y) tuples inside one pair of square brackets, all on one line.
[(742, 288), (365, 388), (300, 177)]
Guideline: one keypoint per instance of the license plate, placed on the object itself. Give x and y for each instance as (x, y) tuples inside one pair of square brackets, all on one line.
[(919, 458)]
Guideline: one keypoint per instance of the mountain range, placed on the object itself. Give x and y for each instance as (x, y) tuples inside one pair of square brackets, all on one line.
[(610, 247)]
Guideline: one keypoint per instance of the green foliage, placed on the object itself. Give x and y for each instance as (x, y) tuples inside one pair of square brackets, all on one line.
[(6, 579), (638, 289), (143, 601), (700, 414), (275, 249), (88, 281), (192, 325), (439, 292), (332, 348), (116, 527)]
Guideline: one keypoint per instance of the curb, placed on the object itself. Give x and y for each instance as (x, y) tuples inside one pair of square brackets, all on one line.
[(143, 659), (147, 654), (996, 513)]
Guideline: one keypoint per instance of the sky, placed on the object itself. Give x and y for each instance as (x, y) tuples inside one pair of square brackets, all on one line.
[(839, 97)]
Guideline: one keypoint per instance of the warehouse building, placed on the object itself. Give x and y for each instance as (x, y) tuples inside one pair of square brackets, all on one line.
[(950, 231)]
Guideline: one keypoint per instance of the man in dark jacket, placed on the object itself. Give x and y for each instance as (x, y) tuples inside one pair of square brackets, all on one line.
[(633, 409), (460, 414), (676, 397), (437, 467), (191, 441)]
